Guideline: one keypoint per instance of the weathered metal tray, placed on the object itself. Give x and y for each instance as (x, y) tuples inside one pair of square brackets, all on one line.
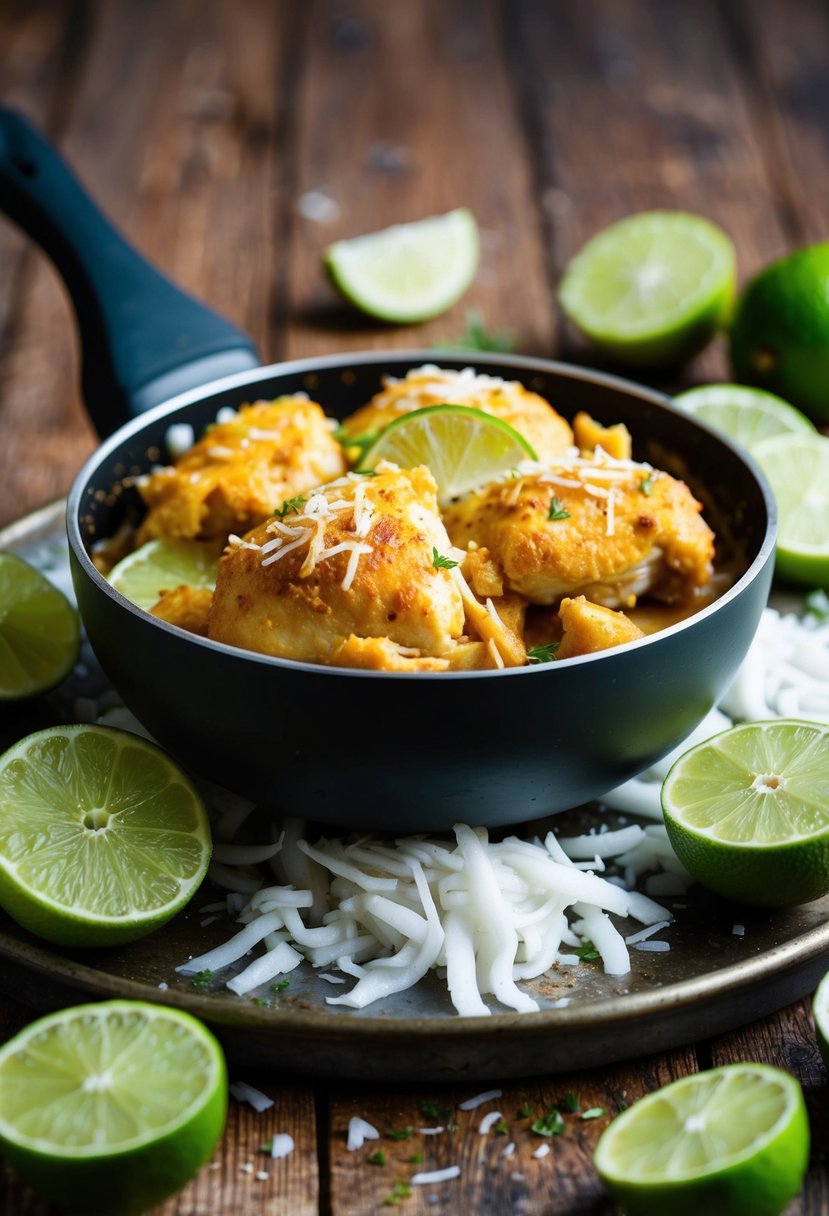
[(712, 980)]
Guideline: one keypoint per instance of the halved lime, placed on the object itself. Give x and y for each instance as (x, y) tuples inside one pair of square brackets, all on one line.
[(747, 812), (652, 289), (797, 466), (820, 1013), (162, 565), (39, 631), (732, 1141), (102, 837), (746, 415), (462, 446), (409, 272), (109, 1108)]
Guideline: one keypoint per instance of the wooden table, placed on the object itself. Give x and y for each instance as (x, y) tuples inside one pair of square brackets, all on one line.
[(233, 142)]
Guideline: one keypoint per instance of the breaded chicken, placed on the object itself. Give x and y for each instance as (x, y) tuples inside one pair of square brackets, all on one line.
[(359, 558), (589, 627), (241, 470), (530, 415), (187, 607), (608, 529)]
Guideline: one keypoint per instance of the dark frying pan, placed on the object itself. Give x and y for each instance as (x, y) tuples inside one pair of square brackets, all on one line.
[(399, 752)]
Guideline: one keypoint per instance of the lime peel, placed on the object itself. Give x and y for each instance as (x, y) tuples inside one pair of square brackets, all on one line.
[(746, 415), (163, 564), (39, 631), (797, 466)]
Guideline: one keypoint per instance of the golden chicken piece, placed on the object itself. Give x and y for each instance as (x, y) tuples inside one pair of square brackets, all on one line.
[(529, 414), (359, 558), (240, 471), (187, 607), (611, 530), (590, 434), (591, 627)]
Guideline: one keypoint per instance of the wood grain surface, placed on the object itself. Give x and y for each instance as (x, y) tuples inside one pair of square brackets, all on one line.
[(232, 141)]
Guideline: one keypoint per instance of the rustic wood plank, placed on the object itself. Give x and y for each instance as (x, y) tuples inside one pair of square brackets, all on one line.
[(500, 1172), (406, 111), (634, 107)]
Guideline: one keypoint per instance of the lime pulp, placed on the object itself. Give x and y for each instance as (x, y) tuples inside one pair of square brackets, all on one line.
[(746, 415), (797, 466), (164, 564), (39, 631)]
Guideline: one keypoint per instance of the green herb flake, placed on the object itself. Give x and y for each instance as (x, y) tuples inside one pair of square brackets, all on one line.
[(525, 1112), (543, 654), (442, 563), (415, 1159), (587, 953), (476, 337), (290, 504), (202, 979), (558, 510), (551, 1124), (400, 1190), (646, 484), (281, 985), (431, 1110), (260, 1000), (595, 1112), (399, 1133), (817, 605), (501, 1128), (378, 1158), (571, 1102)]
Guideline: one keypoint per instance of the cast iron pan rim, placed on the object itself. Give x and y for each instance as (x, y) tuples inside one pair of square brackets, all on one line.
[(346, 359)]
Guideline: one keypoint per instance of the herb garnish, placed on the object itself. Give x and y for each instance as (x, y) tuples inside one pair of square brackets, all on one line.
[(415, 1159), (551, 1124), (281, 985), (378, 1158), (202, 979), (595, 1112), (558, 510), (542, 654), (442, 563), (431, 1110), (525, 1112), (571, 1102), (400, 1190), (290, 504), (587, 953), (477, 338), (646, 484), (501, 1128), (399, 1133)]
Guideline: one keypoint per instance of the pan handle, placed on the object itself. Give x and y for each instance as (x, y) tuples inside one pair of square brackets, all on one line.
[(143, 340)]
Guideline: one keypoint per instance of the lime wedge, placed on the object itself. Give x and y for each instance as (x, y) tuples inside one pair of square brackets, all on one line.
[(653, 288), (820, 1013), (409, 272), (109, 1108), (797, 466), (102, 837), (746, 415), (39, 631), (462, 446), (732, 1141), (162, 565), (747, 812)]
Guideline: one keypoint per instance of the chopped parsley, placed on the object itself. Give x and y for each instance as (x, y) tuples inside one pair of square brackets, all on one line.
[(290, 504), (571, 1102), (587, 953), (595, 1112), (431, 1110), (202, 979), (281, 985), (399, 1133), (476, 337), (646, 484), (551, 1124), (442, 563), (558, 510), (260, 1000), (378, 1158), (542, 654), (817, 605), (415, 1159), (501, 1128), (525, 1112), (400, 1190)]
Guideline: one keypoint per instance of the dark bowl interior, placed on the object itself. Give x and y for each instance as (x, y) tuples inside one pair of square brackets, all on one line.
[(405, 752)]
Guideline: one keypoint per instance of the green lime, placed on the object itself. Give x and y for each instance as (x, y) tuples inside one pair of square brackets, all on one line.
[(732, 1141), (780, 332), (652, 289), (747, 812), (409, 272), (746, 415), (39, 631), (162, 565), (797, 467), (102, 837), (109, 1108), (820, 1013), (462, 446)]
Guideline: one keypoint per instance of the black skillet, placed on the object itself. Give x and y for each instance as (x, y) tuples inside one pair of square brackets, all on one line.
[(361, 749)]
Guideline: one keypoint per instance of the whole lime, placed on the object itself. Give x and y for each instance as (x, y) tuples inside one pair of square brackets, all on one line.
[(780, 332)]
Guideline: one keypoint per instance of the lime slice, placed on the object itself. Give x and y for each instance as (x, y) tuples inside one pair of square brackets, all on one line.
[(747, 812), (820, 1013), (462, 446), (109, 1108), (732, 1141), (409, 272), (797, 467), (746, 415), (162, 565), (102, 837), (39, 631), (653, 288)]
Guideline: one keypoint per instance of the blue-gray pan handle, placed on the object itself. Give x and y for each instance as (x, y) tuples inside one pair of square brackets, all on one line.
[(142, 339)]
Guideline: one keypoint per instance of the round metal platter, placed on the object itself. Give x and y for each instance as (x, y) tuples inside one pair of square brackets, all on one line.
[(712, 979)]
